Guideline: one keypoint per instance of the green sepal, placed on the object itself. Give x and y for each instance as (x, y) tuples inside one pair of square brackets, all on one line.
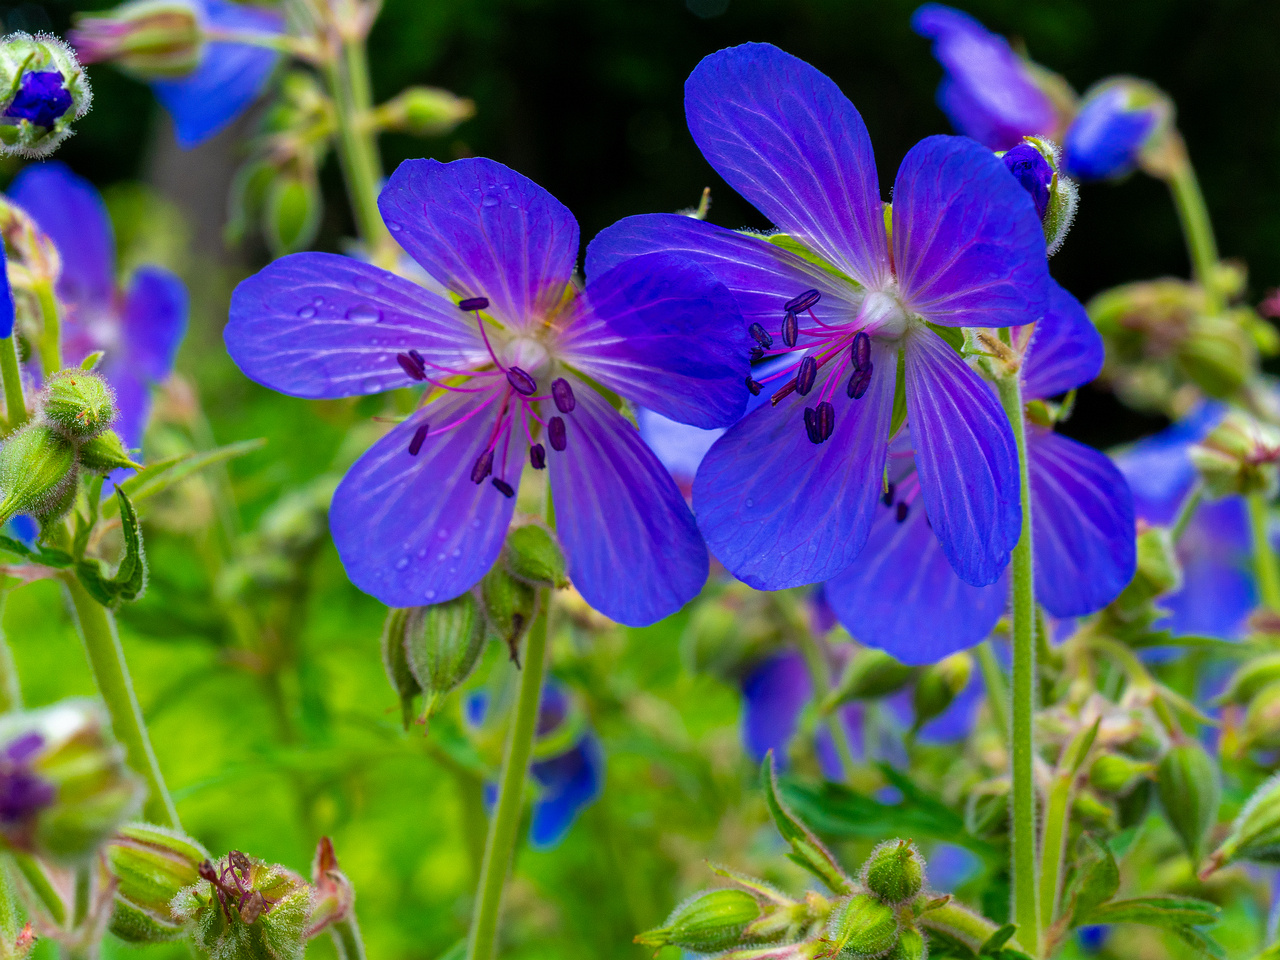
[(995, 943), (130, 578), (806, 849), (899, 395), (794, 246)]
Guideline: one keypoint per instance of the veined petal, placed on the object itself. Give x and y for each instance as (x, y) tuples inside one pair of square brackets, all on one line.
[(667, 334), (761, 275), (70, 210), (320, 325), (780, 511), (155, 321), (783, 135), (965, 457), (415, 530), (229, 78), (632, 547), (1082, 518), (967, 243), (484, 230), (1066, 349), (902, 596)]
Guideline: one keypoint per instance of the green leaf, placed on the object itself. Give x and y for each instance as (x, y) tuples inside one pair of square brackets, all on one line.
[(158, 477), (130, 578), (997, 940), (1168, 912), (806, 849), (1098, 880), (46, 556)]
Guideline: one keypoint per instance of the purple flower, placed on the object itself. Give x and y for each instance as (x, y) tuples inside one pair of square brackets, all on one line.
[(139, 327), (1032, 170), (1215, 549), (1116, 121), (787, 496), (988, 92), (41, 98), (511, 352), (230, 76), (903, 596)]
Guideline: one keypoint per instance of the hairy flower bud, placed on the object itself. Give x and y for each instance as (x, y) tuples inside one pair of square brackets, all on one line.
[(1115, 773), (151, 866), (533, 555), (862, 926), (911, 945), (1190, 791), (78, 405), (37, 472), (869, 675), (42, 90), (424, 111), (442, 643), (396, 660), (939, 685), (244, 909), (1035, 164), (334, 897), (1255, 834), (149, 39), (1120, 122), (706, 923), (1238, 456), (508, 606), (894, 872), (1261, 727), (104, 453)]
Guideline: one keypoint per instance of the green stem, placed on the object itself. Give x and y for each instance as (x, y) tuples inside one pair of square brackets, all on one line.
[(960, 923), (997, 693), (50, 342), (1197, 228), (1026, 911), (15, 403), (820, 678), (81, 902), (102, 644), (40, 885), (1264, 558), (501, 842), (347, 939), (1188, 510), (1054, 848)]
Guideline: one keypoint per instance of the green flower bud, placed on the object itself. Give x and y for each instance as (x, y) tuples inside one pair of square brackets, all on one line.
[(106, 452), (1255, 835), (65, 781), (291, 216), (862, 926), (151, 866), (334, 895), (1250, 677), (1115, 773), (533, 555), (78, 405), (1261, 727), (508, 607), (894, 872), (1158, 572), (1092, 810), (911, 945), (424, 111), (1218, 355), (244, 909), (37, 472), (869, 675), (706, 923), (939, 685), (149, 39), (1238, 456), (1190, 791), (442, 644), (42, 91), (396, 661)]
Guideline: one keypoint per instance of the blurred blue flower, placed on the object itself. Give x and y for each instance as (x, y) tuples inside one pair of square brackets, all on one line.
[(951, 865), (988, 92), (1092, 938), (230, 76), (779, 505), (139, 327), (514, 356), (1218, 590), (904, 597), (1116, 121)]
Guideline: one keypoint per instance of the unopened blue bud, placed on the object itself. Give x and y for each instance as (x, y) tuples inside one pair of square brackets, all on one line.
[(1118, 120), (150, 39), (42, 90), (1032, 170), (1034, 163)]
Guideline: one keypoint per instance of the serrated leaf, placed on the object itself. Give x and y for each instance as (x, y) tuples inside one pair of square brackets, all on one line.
[(997, 940), (130, 578), (158, 477), (807, 850)]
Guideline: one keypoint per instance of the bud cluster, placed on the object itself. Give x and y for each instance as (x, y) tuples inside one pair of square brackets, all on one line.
[(1238, 457)]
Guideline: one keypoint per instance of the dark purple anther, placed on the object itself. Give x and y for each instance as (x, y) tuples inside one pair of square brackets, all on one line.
[(555, 433), (887, 499), (521, 382), (803, 302), (410, 366), (473, 303), (483, 467), (538, 456), (790, 329), (826, 420), (754, 386), (903, 508), (760, 335), (860, 351), (859, 380), (503, 487), (756, 354), (562, 394), (41, 98), (811, 424), (805, 376), (419, 436), (1032, 170)]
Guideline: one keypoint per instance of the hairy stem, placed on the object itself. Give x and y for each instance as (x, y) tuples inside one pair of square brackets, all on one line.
[(102, 644), (1264, 558), (1193, 216), (15, 404), (1026, 910), (347, 940), (500, 845)]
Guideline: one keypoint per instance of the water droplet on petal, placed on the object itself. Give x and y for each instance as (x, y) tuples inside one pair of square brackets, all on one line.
[(442, 533), (365, 285), (364, 313), (402, 563), (431, 594), (750, 502), (457, 552), (439, 557), (490, 201), (318, 302), (306, 313), (371, 385), (394, 226), (476, 523)]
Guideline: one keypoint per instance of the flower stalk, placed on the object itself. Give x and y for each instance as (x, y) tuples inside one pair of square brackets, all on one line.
[(14, 403), (1265, 567), (1193, 216)]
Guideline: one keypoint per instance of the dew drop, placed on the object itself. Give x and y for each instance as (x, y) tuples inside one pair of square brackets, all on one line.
[(371, 385), (439, 557), (318, 302), (442, 533), (306, 313), (402, 563), (457, 552), (490, 201), (395, 227), (365, 285), (476, 523), (431, 594), (750, 502), (364, 313), (452, 571), (422, 554)]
